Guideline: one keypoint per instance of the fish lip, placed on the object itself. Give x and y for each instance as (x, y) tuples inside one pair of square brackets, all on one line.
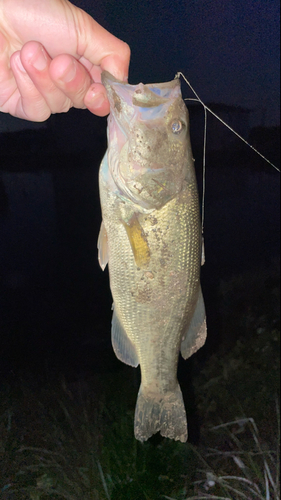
[(107, 78), (126, 100), (149, 95)]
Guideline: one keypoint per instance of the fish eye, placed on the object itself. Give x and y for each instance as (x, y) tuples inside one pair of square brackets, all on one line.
[(176, 126)]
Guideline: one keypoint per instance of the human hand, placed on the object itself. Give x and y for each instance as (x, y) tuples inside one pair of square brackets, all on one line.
[(51, 58)]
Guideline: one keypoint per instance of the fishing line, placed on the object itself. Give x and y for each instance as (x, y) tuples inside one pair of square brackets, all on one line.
[(178, 75), (204, 170), (224, 123)]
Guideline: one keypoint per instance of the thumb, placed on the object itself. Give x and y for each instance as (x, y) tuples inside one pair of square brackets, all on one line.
[(117, 66), (101, 48)]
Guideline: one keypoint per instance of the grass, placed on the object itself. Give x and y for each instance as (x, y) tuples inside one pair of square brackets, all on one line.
[(84, 450), (245, 468), (54, 454), (75, 442), (78, 461), (248, 469)]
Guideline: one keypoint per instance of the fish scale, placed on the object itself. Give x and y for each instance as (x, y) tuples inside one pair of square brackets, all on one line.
[(151, 239)]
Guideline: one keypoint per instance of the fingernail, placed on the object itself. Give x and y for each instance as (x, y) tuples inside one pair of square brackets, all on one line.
[(19, 64), (97, 100), (39, 62), (115, 66), (69, 73)]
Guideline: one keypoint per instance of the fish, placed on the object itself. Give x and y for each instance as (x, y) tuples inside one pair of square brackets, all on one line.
[(151, 240)]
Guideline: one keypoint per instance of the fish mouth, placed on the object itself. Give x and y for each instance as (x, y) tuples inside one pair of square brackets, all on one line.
[(137, 114), (137, 103), (150, 95), (107, 77)]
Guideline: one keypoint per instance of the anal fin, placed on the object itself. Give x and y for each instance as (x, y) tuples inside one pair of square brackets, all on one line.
[(197, 332), (122, 345)]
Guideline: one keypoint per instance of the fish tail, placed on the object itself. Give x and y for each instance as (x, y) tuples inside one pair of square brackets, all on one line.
[(160, 412)]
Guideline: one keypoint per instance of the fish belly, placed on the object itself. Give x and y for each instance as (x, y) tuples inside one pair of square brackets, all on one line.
[(154, 299)]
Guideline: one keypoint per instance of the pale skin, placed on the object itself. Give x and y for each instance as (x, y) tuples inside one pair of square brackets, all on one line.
[(51, 58)]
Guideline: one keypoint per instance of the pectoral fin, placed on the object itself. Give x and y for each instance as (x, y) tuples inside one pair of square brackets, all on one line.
[(102, 247), (197, 331), (123, 347), (138, 241)]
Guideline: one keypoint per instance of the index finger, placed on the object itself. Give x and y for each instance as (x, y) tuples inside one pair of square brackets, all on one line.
[(66, 29)]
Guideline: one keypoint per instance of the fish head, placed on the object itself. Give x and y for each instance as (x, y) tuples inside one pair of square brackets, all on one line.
[(148, 140)]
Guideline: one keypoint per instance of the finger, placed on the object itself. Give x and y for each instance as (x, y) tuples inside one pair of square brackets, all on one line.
[(7, 82), (26, 102), (36, 61), (115, 65), (66, 29), (96, 100), (100, 47), (71, 77)]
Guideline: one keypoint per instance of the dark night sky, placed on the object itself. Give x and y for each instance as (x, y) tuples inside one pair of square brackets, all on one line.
[(228, 49)]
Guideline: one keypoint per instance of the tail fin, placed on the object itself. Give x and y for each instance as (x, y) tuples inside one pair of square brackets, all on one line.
[(160, 412)]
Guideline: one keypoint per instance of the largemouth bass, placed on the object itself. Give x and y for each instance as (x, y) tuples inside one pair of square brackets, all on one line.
[(151, 239)]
